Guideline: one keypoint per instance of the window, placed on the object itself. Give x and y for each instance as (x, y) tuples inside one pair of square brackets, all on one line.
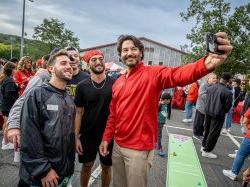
[(147, 49), (160, 63), (149, 63)]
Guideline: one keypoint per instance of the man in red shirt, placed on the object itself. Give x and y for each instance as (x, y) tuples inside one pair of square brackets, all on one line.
[(133, 109)]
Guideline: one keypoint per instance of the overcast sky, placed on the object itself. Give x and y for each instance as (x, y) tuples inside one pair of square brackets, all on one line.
[(97, 22)]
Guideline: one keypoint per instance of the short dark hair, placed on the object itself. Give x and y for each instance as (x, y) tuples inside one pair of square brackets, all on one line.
[(71, 48), (15, 60), (8, 68), (237, 80), (135, 40), (226, 76), (165, 96), (52, 57), (46, 57)]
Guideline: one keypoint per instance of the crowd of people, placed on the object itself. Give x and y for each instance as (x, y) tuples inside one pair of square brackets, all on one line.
[(58, 110), (215, 100)]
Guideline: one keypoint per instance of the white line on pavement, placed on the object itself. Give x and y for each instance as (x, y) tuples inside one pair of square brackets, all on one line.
[(187, 129), (233, 139), (94, 175)]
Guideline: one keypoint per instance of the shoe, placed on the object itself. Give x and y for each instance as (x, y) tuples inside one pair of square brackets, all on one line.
[(229, 174), (208, 154), (187, 120), (233, 155), (199, 138), (7, 146), (202, 149), (228, 130), (161, 153), (223, 131), (183, 111)]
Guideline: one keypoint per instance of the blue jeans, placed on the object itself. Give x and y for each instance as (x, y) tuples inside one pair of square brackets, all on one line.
[(189, 110), (242, 153), (228, 119)]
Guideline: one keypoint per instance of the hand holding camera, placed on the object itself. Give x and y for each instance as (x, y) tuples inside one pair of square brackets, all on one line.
[(212, 44), (218, 48)]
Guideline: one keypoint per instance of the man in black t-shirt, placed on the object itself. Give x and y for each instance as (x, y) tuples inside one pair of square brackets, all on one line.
[(78, 75), (92, 99)]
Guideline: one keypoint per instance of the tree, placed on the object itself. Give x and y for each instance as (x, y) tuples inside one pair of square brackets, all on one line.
[(5, 51), (53, 32), (214, 16)]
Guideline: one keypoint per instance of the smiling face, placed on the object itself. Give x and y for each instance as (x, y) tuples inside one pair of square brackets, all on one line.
[(96, 64), (28, 65), (62, 68), (75, 59), (130, 54)]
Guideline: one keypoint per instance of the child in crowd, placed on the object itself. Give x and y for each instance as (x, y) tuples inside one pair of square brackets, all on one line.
[(164, 111)]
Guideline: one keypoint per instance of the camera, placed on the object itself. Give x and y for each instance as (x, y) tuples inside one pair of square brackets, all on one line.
[(212, 45)]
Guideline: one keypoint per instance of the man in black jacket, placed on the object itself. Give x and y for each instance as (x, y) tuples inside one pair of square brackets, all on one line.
[(47, 135), (218, 103)]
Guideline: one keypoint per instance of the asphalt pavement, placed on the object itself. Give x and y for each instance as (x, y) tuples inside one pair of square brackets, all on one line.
[(212, 168)]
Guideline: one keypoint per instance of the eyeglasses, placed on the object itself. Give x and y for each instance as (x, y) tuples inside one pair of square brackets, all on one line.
[(95, 59)]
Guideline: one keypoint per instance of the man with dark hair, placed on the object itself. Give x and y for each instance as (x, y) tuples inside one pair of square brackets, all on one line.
[(218, 103), (133, 109), (14, 60), (78, 75), (47, 151), (92, 99), (41, 76)]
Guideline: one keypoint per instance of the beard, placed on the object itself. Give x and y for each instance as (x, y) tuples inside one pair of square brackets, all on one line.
[(131, 63), (62, 76), (97, 71)]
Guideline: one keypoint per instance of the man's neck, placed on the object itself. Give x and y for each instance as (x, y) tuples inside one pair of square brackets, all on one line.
[(58, 83), (97, 77), (76, 71)]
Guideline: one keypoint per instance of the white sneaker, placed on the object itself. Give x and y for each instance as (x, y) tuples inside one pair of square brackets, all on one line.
[(224, 131), (229, 174), (7, 146), (233, 155), (202, 149), (187, 120), (208, 154)]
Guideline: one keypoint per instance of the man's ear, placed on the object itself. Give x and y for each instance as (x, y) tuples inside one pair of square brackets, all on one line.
[(51, 69)]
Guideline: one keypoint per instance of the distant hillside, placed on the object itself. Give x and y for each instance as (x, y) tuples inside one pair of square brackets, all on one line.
[(34, 48)]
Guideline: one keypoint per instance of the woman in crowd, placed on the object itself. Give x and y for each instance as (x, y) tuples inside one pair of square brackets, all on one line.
[(24, 73), (9, 94)]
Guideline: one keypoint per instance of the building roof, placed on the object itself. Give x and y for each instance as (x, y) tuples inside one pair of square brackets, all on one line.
[(141, 38)]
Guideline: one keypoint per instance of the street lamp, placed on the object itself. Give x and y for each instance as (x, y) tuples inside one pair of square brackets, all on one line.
[(22, 38)]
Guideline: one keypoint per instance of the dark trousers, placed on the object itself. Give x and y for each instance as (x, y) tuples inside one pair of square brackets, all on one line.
[(198, 125), (160, 126), (212, 129), (21, 183)]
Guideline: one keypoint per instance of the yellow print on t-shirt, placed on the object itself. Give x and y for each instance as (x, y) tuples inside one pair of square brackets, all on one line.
[(71, 89)]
